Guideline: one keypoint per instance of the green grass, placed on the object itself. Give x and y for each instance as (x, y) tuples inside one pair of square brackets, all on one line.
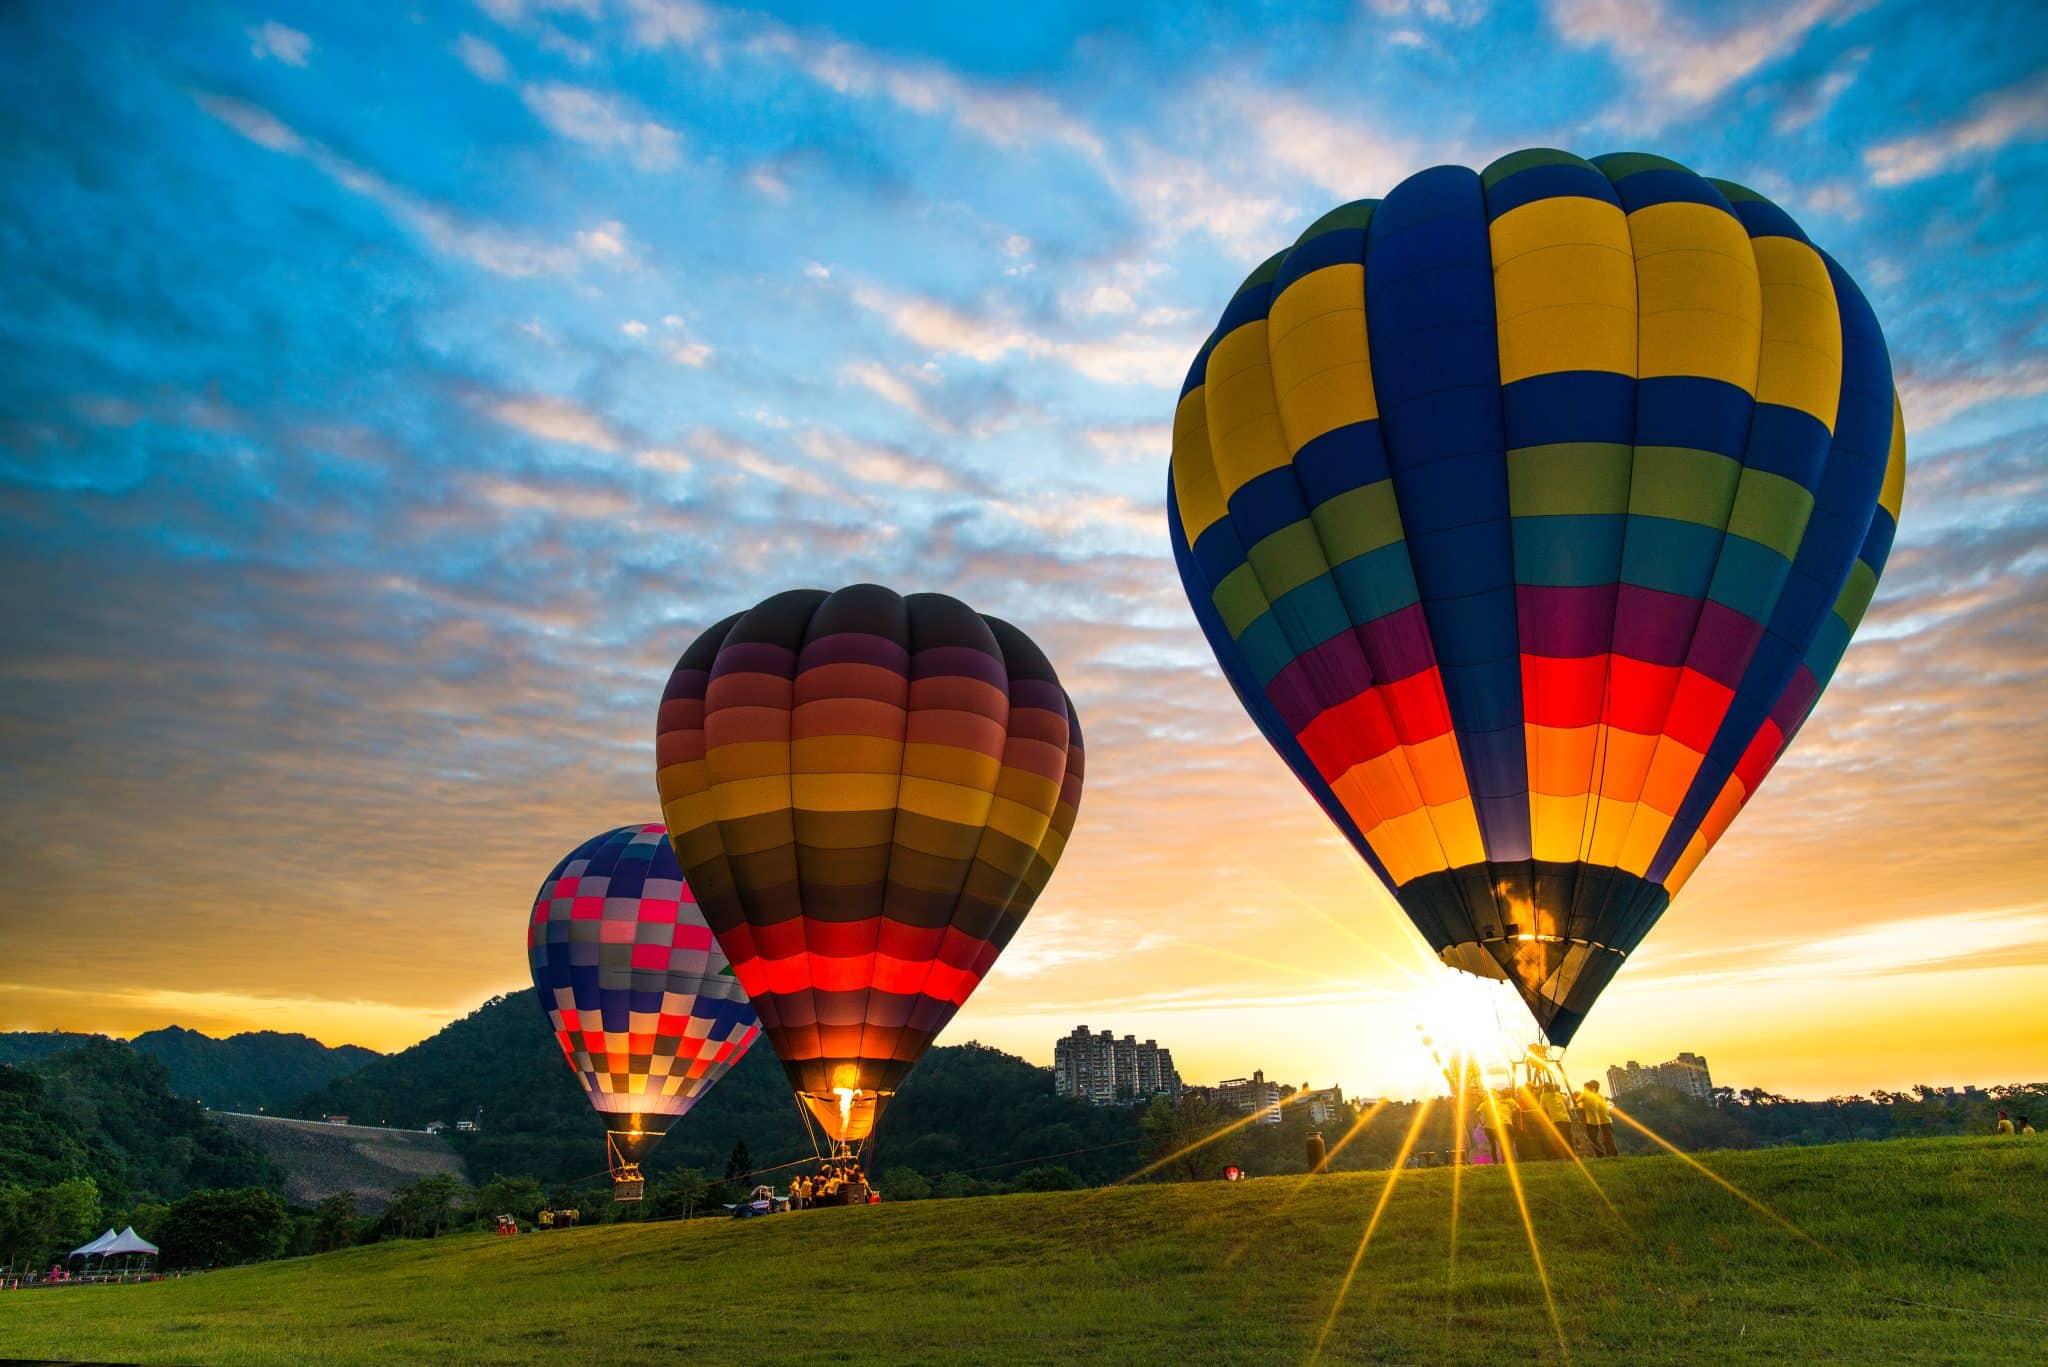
[(1180, 1275)]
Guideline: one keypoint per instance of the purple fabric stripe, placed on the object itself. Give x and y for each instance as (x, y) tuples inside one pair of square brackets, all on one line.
[(965, 661), (857, 648), (685, 683), (1318, 678), (1397, 645), (754, 657), (1565, 623), (1792, 705), (1653, 626), (1040, 693), (1723, 643)]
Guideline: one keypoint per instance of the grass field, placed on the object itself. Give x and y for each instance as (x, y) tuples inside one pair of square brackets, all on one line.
[(1678, 1271)]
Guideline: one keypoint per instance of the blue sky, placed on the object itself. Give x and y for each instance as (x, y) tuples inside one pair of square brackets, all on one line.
[(387, 395)]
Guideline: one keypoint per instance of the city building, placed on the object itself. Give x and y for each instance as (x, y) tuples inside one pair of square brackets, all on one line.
[(1322, 1104), (1686, 1075), (1103, 1070), (1252, 1095)]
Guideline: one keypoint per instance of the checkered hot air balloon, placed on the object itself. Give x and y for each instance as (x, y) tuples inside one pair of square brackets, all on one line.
[(641, 999), (868, 793), (1529, 511)]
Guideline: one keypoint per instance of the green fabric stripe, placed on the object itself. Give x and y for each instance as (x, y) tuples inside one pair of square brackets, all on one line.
[(1684, 485), (1356, 214), (1621, 165), (1239, 599), (1770, 510), (1523, 160), (1358, 521), (1568, 477), (1856, 594), (1288, 558)]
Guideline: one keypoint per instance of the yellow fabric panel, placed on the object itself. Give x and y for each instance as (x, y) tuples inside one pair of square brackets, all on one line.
[(945, 801), (1564, 288), (1644, 836), (1244, 417), (1557, 825), (1028, 789), (1671, 774), (1609, 830), (683, 812), (1700, 299), (844, 754), (1321, 357), (1561, 758), (747, 759), (750, 797), (1437, 769), (843, 792), (1893, 495), (1194, 470), (1026, 825), (1801, 361), (952, 764), (1407, 845), (1457, 833), (679, 780)]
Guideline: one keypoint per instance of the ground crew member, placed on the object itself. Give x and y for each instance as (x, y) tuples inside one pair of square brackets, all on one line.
[(1598, 1114), (2004, 1124)]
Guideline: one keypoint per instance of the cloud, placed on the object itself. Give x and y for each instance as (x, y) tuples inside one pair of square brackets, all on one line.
[(2015, 114), (1674, 64), (1929, 400), (1129, 358), (607, 241), (873, 463), (494, 249), (903, 388), (1814, 99), (483, 59), (1151, 441), (552, 418), (604, 121), (273, 41)]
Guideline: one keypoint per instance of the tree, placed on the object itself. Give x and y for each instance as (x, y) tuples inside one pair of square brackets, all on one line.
[(424, 1208), (334, 1223), (517, 1196), (677, 1195), (222, 1228), (1057, 1177), (1180, 1138), (957, 1184), (906, 1184), (740, 1167)]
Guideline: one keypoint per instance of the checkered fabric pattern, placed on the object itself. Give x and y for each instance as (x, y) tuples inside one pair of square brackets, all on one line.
[(642, 1000)]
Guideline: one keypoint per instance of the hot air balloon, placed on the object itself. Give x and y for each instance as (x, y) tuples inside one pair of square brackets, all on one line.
[(868, 792), (646, 1008), (1528, 511)]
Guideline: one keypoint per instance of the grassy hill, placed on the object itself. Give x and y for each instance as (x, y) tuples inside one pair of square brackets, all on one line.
[(1929, 1250), (320, 1160)]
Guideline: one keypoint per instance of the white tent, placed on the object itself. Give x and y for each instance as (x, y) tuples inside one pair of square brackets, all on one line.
[(128, 1242), (97, 1246)]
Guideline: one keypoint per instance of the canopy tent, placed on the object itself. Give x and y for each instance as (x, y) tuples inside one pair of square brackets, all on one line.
[(128, 1242), (98, 1245)]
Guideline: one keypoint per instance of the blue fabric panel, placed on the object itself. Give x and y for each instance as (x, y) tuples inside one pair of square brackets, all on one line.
[(1571, 405), (1685, 410), (1579, 550), (1343, 458), (1554, 181), (1429, 301), (1668, 555)]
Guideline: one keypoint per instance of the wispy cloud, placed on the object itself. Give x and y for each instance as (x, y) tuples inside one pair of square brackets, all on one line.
[(276, 42), (2017, 113), (604, 121), (1674, 64)]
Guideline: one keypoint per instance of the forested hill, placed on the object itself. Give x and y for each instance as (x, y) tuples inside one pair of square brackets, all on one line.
[(100, 1110), (966, 1107), (256, 1070)]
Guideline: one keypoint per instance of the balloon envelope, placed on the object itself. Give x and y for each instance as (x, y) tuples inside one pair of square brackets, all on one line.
[(868, 793), (642, 1000), (1528, 511)]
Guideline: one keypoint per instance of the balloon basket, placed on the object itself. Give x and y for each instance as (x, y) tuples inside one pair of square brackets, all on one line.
[(628, 1184)]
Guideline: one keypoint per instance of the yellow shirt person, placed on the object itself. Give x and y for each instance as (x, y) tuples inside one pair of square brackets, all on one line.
[(2004, 1125), (1593, 1107)]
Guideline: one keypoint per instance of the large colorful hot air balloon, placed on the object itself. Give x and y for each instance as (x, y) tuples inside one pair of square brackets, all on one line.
[(641, 998), (868, 792), (1529, 511)]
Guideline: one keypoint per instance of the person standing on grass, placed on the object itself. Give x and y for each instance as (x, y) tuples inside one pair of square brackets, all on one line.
[(2025, 1128), (1599, 1117), (2004, 1124)]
